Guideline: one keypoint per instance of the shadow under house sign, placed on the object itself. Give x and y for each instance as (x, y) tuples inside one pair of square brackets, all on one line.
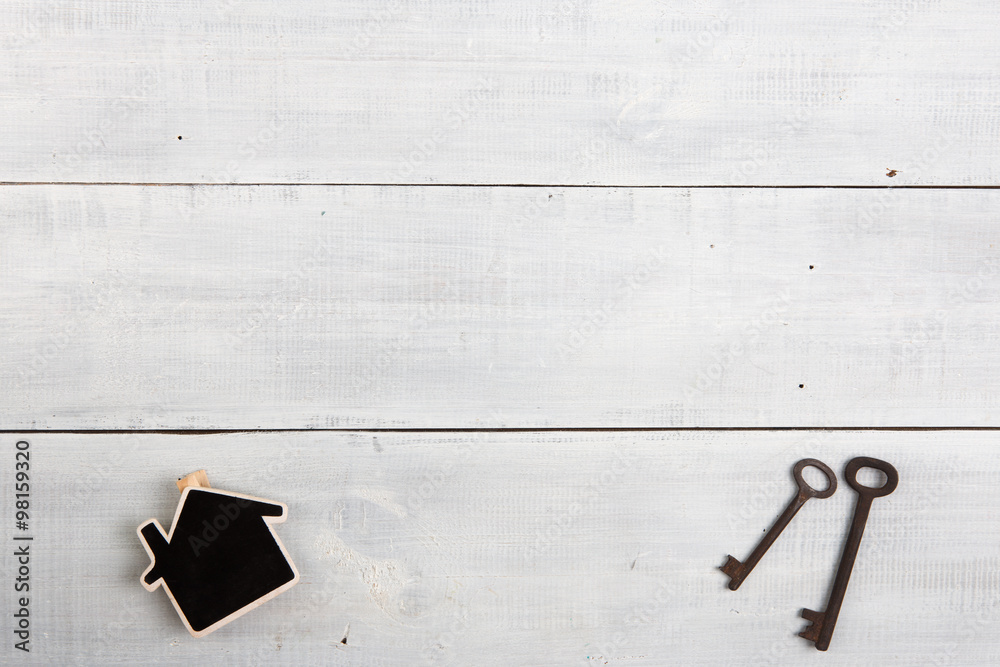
[(221, 557)]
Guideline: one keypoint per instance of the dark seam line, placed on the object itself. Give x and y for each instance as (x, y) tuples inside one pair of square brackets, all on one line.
[(547, 429), (514, 185)]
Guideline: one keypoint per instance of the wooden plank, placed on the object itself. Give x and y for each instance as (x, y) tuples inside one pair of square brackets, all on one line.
[(558, 91), (526, 548), (328, 307)]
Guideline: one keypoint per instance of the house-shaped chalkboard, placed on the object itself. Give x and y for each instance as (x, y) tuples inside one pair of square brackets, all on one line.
[(221, 557)]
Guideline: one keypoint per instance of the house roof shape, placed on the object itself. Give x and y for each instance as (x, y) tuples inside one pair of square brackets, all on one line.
[(220, 559)]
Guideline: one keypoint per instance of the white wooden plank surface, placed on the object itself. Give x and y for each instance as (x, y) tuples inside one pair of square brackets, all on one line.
[(330, 307), (285, 307), (526, 549), (557, 91)]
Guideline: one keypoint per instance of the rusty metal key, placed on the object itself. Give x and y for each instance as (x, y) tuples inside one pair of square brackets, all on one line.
[(822, 623), (738, 571)]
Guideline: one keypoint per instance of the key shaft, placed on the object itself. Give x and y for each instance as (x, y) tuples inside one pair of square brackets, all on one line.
[(738, 571)]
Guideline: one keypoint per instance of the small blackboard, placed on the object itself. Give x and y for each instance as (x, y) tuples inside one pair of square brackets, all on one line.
[(220, 559)]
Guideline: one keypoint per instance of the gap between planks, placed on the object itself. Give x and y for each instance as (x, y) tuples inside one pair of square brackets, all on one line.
[(888, 186), (547, 429)]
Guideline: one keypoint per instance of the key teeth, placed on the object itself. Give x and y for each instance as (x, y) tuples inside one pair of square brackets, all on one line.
[(812, 616), (732, 566), (815, 618), (735, 571)]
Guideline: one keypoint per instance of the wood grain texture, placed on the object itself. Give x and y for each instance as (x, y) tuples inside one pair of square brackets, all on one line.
[(527, 549), (354, 305), (557, 91), (329, 307)]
